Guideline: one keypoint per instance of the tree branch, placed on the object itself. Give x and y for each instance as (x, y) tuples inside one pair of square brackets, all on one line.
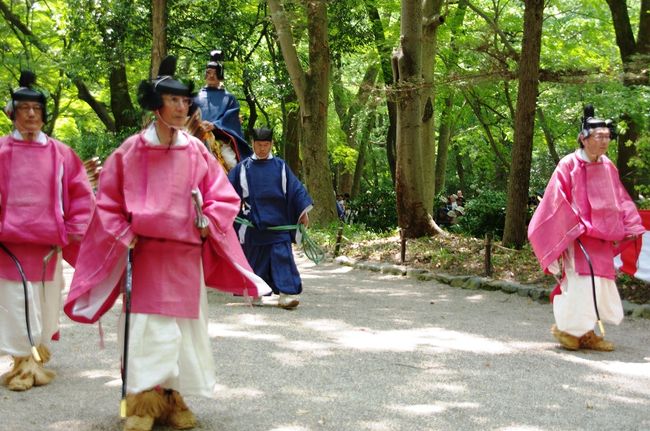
[(99, 108), (289, 52), (17, 23), (504, 39)]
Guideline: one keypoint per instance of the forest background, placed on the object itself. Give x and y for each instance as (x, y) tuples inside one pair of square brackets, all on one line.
[(398, 104)]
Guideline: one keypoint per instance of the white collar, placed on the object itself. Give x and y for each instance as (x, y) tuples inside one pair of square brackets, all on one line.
[(41, 138), (254, 157), (583, 155), (150, 135)]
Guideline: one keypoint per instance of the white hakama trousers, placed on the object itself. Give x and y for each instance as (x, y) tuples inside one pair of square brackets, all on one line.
[(170, 352), (44, 312), (574, 309)]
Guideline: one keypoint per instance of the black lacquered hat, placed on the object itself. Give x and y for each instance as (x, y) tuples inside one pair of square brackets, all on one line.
[(150, 92)]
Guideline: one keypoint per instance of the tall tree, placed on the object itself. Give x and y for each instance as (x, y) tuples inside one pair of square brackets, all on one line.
[(515, 228), (312, 89), (414, 218), (446, 118), (432, 19), (384, 51), (158, 34), (635, 55), (349, 114)]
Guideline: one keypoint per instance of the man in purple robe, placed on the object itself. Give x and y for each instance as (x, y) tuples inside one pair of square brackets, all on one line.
[(220, 113), (45, 205), (272, 196), (577, 229)]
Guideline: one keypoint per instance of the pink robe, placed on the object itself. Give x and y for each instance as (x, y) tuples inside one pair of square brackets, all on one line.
[(583, 201), (45, 199), (145, 192)]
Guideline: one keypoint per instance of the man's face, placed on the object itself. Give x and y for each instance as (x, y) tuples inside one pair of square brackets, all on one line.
[(28, 117), (174, 110), (211, 79), (597, 142), (262, 149)]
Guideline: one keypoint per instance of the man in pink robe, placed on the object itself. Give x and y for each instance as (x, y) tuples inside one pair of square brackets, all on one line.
[(45, 206), (585, 206), (145, 202)]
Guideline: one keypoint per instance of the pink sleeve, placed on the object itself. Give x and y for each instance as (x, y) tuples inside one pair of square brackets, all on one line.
[(631, 218), (220, 201), (555, 224), (111, 209), (78, 195)]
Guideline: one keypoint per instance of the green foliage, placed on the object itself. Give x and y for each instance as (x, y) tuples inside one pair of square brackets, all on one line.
[(375, 209), (326, 236), (485, 212), (97, 144), (84, 39)]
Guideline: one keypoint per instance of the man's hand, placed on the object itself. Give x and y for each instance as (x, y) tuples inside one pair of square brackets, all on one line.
[(304, 219), (204, 232), (207, 126)]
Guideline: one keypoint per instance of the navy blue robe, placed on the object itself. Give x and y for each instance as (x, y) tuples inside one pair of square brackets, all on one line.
[(271, 196), (221, 108)]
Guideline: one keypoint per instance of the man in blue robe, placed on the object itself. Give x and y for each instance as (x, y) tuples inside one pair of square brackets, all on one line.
[(220, 112), (271, 196)]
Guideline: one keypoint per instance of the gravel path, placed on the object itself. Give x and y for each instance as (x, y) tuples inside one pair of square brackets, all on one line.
[(368, 351)]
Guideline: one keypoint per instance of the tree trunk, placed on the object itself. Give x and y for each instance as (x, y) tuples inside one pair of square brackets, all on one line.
[(349, 114), (413, 218), (626, 171), (292, 142), (445, 131), (432, 19), (121, 105), (384, 52), (548, 134), (364, 143), (312, 90), (519, 179), (444, 136), (158, 34), (98, 107)]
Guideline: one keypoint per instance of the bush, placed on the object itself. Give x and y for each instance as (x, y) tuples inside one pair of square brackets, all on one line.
[(376, 209), (484, 213)]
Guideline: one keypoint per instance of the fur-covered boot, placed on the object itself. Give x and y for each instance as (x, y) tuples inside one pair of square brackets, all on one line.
[(592, 341), (568, 341), (142, 409), (178, 415), (27, 373)]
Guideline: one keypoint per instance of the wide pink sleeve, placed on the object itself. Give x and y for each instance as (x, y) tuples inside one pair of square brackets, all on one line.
[(78, 202), (102, 259), (224, 264), (220, 201), (78, 197), (631, 217), (111, 208), (555, 223)]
